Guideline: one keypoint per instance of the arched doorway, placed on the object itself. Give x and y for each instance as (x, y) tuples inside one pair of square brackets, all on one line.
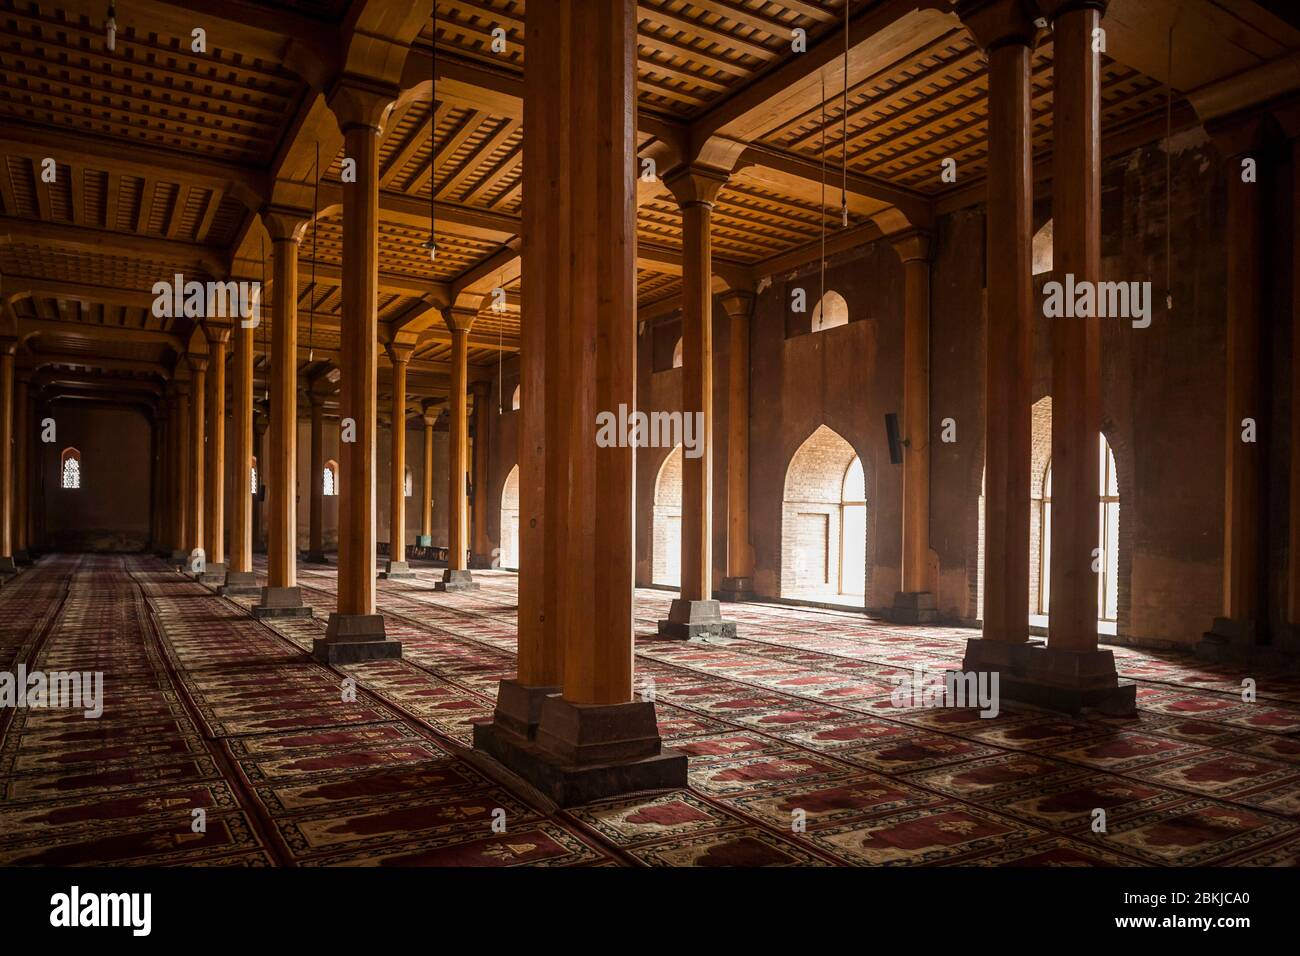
[(824, 522), (666, 530), (509, 557)]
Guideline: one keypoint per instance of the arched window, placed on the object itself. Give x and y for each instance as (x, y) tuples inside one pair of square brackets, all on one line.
[(677, 354), (70, 468), (1107, 536), (666, 530), (252, 476), (824, 522), (330, 479), (407, 482), (831, 311), (510, 521), (514, 400)]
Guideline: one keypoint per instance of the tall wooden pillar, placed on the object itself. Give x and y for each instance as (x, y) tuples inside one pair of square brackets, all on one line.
[(261, 422), (240, 578), (316, 512), (914, 603), (400, 356), (739, 583), (481, 553), (594, 740), (1293, 553), (1076, 342), (194, 513), (155, 479), (1005, 30), (22, 466), (1244, 614), (184, 477), (8, 352), (457, 577), (214, 525), (426, 496), (281, 597), (162, 498), (695, 612), (355, 630)]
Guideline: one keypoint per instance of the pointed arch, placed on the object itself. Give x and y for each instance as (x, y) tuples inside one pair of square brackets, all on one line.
[(70, 469), (509, 557), (677, 353), (831, 311), (666, 529), (824, 522), (330, 479)]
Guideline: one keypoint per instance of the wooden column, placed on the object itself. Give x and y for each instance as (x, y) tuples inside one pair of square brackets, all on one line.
[(281, 596), (155, 479), (482, 548), (594, 740), (22, 465), (1293, 552), (739, 583), (316, 514), (184, 476), (240, 575), (194, 513), (214, 530), (260, 424), (400, 356), (355, 631), (8, 352), (1007, 33), (162, 544), (695, 612), (426, 504), (457, 577), (1243, 584), (1076, 342), (914, 603)]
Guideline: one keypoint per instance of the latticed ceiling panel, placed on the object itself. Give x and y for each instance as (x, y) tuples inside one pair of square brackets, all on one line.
[(56, 70), (690, 55)]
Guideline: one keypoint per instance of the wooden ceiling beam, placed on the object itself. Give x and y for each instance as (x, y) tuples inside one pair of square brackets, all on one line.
[(105, 242), (116, 157)]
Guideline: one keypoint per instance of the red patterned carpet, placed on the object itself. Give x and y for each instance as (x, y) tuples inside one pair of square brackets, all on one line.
[(206, 708)]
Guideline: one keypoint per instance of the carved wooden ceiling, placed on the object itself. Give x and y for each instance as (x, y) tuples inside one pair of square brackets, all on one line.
[(157, 150)]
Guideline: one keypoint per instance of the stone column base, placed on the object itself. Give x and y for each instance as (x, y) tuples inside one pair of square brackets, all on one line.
[(913, 607), (241, 583), (180, 559), (1228, 639), (456, 581), (281, 602), (737, 589), (396, 570), (22, 558), (1067, 681), (689, 619), (350, 638), (213, 576), (424, 541), (519, 708), (8, 565), (315, 557), (586, 752)]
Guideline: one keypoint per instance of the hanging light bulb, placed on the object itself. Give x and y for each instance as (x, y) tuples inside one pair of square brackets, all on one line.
[(433, 249), (844, 211), (112, 26)]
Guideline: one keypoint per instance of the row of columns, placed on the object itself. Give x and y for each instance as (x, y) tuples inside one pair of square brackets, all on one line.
[(1070, 671)]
